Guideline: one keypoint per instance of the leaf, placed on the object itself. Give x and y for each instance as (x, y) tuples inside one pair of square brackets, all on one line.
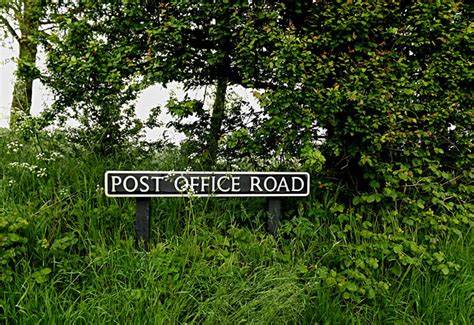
[(444, 269), (356, 200), (351, 286), (41, 276), (398, 249), (397, 270)]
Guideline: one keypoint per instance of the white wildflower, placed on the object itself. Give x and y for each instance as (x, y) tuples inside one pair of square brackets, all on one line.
[(63, 192), (41, 172), (14, 146)]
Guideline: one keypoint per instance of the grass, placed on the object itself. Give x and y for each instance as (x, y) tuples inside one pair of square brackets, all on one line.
[(210, 260)]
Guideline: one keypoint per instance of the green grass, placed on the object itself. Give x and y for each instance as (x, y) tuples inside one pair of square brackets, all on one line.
[(210, 260)]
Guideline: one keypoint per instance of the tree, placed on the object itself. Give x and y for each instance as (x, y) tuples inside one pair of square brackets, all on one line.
[(386, 85), (110, 50), (26, 14), (382, 89)]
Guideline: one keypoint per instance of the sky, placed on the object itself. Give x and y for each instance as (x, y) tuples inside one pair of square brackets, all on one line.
[(147, 99)]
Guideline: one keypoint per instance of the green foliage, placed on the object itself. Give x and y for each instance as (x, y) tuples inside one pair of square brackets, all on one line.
[(105, 53), (372, 98), (68, 254), (42, 192), (193, 120), (380, 92), (12, 242), (385, 85)]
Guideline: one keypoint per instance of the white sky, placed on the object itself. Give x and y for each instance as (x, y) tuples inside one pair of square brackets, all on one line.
[(149, 98)]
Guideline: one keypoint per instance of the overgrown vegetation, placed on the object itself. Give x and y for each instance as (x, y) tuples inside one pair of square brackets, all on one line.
[(68, 252), (371, 98)]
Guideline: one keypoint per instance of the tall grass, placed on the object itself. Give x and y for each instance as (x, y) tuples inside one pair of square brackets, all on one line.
[(210, 260)]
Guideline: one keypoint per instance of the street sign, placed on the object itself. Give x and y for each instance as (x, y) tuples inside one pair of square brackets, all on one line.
[(143, 185), (204, 184)]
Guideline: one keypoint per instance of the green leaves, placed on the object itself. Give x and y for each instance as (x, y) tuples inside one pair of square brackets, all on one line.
[(313, 159), (41, 276), (372, 97), (13, 240)]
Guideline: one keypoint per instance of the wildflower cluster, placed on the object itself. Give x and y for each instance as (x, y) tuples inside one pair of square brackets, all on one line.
[(48, 157), (99, 189), (171, 176), (14, 146), (39, 171), (63, 192)]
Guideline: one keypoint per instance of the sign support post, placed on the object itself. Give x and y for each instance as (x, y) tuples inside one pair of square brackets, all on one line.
[(143, 185), (142, 221), (274, 210)]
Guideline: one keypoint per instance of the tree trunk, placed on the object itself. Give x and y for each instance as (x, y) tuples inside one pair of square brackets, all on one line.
[(217, 117), (23, 89), (25, 75)]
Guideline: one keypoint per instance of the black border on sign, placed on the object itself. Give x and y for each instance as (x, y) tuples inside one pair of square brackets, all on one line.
[(207, 173)]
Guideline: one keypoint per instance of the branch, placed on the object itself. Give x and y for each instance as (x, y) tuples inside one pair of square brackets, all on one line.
[(47, 22), (10, 28)]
